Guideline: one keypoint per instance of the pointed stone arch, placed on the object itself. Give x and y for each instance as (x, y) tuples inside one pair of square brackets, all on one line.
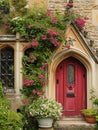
[(58, 58), (6, 45)]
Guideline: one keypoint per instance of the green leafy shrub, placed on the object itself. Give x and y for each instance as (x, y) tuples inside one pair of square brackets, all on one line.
[(94, 98), (9, 120)]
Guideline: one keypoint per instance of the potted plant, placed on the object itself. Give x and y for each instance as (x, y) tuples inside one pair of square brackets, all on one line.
[(90, 115), (45, 109)]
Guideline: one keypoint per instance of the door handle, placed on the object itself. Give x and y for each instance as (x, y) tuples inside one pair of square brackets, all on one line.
[(70, 88)]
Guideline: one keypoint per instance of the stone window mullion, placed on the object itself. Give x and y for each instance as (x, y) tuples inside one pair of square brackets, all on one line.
[(17, 68)]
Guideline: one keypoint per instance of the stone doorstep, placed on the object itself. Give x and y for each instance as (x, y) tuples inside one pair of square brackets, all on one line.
[(73, 124), (69, 123), (45, 129), (72, 119)]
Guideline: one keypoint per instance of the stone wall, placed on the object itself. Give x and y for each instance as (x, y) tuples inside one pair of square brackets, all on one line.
[(85, 8), (57, 5)]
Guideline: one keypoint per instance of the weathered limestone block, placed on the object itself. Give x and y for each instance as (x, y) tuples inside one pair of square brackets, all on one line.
[(57, 5), (89, 9), (96, 2), (39, 3), (95, 17), (45, 129)]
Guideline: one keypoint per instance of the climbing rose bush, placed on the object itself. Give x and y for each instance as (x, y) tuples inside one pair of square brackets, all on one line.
[(44, 32), (80, 23)]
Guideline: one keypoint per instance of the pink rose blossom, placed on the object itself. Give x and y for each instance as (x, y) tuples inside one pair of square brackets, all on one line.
[(54, 33), (49, 12), (39, 93), (69, 4), (68, 47), (44, 66), (27, 45), (34, 58), (44, 37), (80, 23), (51, 32), (25, 102), (28, 82), (56, 44), (31, 81), (7, 26), (40, 76), (46, 82), (54, 41), (29, 60), (54, 20), (34, 91), (34, 43)]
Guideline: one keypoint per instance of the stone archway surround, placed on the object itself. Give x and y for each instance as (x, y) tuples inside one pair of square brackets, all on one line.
[(82, 57)]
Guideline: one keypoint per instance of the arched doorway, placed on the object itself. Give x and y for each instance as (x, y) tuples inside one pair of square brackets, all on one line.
[(71, 87)]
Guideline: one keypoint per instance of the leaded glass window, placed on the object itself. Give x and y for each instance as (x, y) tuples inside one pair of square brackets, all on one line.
[(70, 74), (7, 67)]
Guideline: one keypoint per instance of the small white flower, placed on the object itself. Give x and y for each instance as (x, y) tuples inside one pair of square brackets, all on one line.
[(43, 107)]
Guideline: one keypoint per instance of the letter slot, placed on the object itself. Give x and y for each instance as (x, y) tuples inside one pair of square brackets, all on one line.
[(70, 95)]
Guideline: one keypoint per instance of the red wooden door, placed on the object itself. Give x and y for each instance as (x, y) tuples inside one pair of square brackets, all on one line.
[(71, 86)]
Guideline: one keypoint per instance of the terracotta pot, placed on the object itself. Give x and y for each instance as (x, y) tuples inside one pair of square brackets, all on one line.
[(91, 120)]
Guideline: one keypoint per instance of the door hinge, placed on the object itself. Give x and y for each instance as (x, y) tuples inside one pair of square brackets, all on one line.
[(84, 75), (61, 67)]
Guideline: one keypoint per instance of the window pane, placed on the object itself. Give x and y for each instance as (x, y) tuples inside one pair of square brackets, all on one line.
[(70, 74), (6, 67)]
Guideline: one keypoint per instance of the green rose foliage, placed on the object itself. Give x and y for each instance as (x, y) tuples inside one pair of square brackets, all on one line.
[(44, 33)]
